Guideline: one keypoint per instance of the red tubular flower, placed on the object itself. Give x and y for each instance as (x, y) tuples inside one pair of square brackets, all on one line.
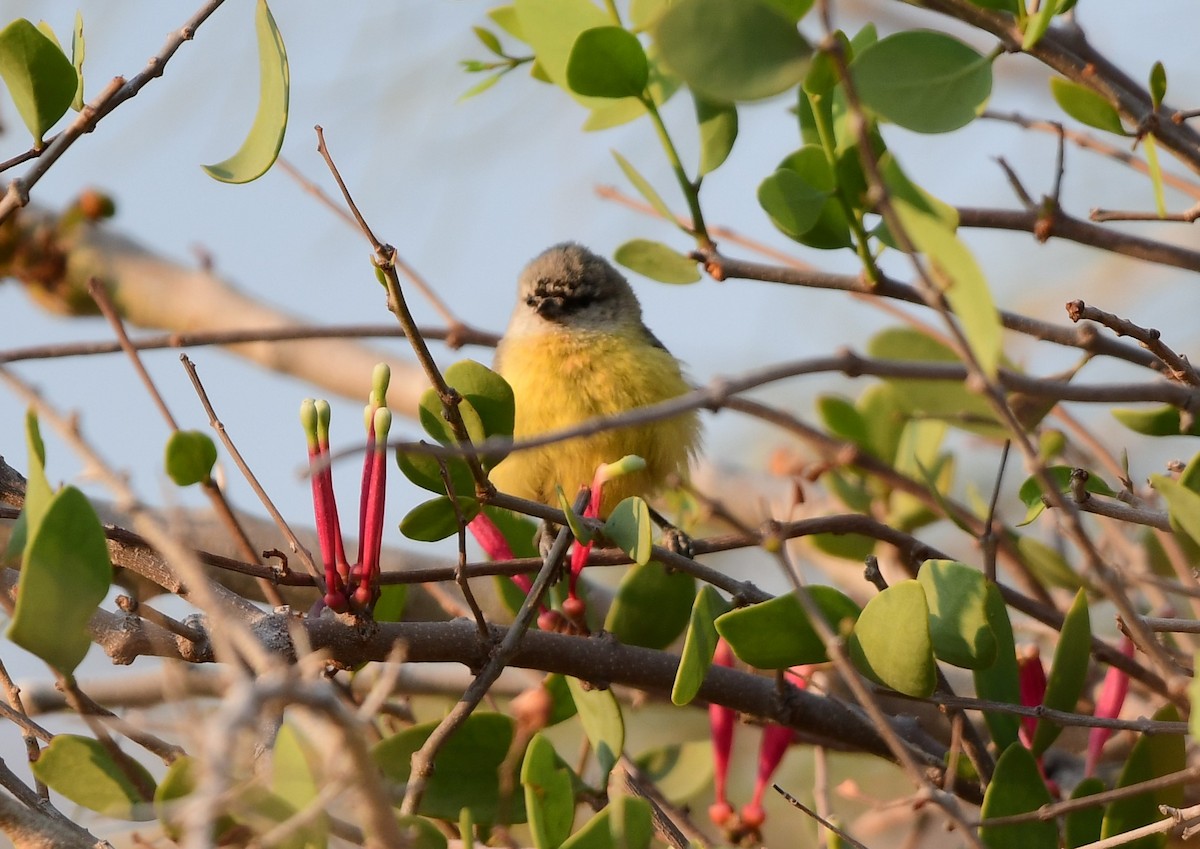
[(1031, 676), (775, 742), (1108, 706), (721, 722), (314, 416)]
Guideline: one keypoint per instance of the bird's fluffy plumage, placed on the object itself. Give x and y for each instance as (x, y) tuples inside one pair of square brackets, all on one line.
[(576, 349)]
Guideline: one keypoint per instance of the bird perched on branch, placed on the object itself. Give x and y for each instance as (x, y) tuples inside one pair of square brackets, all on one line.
[(576, 350)]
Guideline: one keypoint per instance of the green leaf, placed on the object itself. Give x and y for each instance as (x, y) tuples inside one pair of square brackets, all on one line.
[(657, 261), (1046, 564), (718, 122), (651, 607), (680, 771), (470, 771), (630, 529), (1036, 26), (295, 782), (489, 40), (190, 457), (883, 408), (644, 188), (82, 770), (265, 139), (923, 81), (608, 112), (1086, 106), (390, 605), (1069, 672), (793, 204), (1082, 826), (579, 530), (505, 17), (551, 27), (1158, 84), (602, 722), (431, 415), (1031, 491), (732, 51), (549, 796), (1001, 681), (1183, 505), (946, 400), (958, 621), (436, 519), (489, 395), (1016, 788), (891, 643), (1152, 756), (65, 575), (961, 280), (843, 420), (699, 645), (632, 824), (777, 634), (607, 62), (40, 78), (177, 785), (424, 470)]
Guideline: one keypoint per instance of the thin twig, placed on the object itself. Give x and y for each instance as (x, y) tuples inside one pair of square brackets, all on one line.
[(466, 336), (422, 759), (216, 497), (825, 823), (244, 468), (114, 94), (1180, 368)]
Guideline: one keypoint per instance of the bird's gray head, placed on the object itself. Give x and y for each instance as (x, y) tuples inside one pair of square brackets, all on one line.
[(569, 285)]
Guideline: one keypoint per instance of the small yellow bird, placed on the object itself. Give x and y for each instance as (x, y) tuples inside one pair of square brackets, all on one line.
[(576, 349)]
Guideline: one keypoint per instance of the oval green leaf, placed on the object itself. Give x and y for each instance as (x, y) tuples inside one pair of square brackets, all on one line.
[(1160, 421), (1183, 505), (891, 643), (1086, 106), (607, 62), (261, 147), (958, 620), (549, 797), (718, 124), (1016, 788), (1152, 756), (81, 769), (699, 644), (960, 278), (1069, 672), (923, 81), (732, 51), (424, 470), (467, 770), (65, 575), (436, 519), (602, 722), (1000, 682), (792, 204), (652, 606), (777, 634), (40, 78), (1083, 826), (190, 457), (657, 261), (631, 530)]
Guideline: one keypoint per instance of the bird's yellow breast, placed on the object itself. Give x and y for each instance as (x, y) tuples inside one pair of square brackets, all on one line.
[(563, 377)]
